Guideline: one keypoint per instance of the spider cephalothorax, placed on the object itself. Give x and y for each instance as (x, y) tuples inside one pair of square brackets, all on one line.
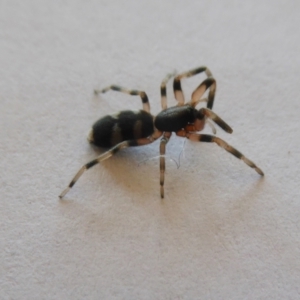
[(137, 128)]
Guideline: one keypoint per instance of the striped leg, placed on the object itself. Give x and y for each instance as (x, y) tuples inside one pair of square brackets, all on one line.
[(204, 113), (163, 143), (108, 154), (211, 125), (200, 90), (163, 90), (210, 82), (143, 95), (213, 139)]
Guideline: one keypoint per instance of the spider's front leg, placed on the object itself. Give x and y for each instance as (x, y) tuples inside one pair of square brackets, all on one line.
[(202, 117), (204, 114), (213, 139), (209, 83)]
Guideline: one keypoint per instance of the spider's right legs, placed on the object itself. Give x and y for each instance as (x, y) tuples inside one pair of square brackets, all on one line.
[(210, 82), (142, 94), (108, 154)]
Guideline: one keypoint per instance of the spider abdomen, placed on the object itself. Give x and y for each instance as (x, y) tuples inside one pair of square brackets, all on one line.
[(175, 118), (126, 125)]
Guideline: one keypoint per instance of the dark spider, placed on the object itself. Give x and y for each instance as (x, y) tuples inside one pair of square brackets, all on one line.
[(136, 128)]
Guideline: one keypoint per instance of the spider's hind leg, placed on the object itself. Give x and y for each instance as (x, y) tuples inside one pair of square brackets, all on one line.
[(94, 162), (117, 88), (108, 154)]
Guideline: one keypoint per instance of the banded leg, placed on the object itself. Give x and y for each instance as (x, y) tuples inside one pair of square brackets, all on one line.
[(200, 90), (163, 90), (204, 113), (108, 154), (213, 139), (208, 82), (143, 95), (162, 148), (211, 125)]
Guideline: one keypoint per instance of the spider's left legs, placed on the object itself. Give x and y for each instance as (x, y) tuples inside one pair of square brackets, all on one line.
[(163, 142), (206, 83), (213, 139), (117, 88), (163, 90), (108, 154)]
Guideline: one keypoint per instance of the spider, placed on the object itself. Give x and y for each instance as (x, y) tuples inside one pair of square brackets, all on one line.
[(137, 128)]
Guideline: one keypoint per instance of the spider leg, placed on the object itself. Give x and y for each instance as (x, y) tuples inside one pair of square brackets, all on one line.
[(210, 82), (163, 142), (163, 90), (211, 125), (213, 139), (204, 113), (142, 94), (108, 154)]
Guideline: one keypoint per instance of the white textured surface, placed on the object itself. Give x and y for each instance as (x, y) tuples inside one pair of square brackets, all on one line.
[(222, 232)]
